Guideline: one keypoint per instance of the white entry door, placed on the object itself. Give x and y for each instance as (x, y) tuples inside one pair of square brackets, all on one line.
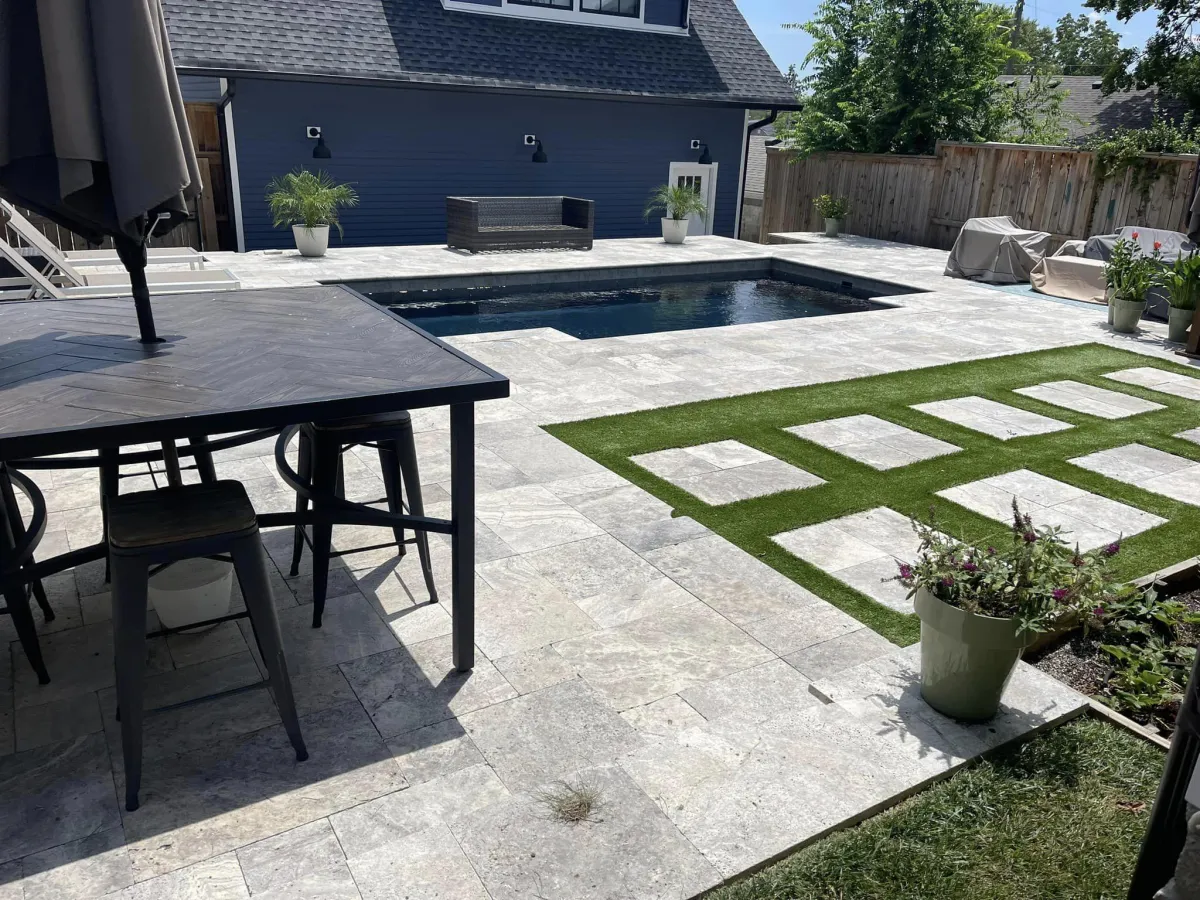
[(703, 180)]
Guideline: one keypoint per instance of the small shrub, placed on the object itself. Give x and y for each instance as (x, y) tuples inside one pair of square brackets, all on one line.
[(1130, 274), (308, 198), (675, 201), (830, 207)]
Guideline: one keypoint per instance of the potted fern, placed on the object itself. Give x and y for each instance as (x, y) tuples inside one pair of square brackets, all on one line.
[(309, 202), (1182, 282), (980, 608), (833, 210), (1129, 276), (678, 203)]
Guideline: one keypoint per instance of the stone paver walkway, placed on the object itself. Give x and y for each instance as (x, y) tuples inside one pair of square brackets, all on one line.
[(725, 471), (873, 441), (989, 417), (1087, 398), (1085, 518), (723, 712), (1150, 469), (862, 550), (1157, 380)]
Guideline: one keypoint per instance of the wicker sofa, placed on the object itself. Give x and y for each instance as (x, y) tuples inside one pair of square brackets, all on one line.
[(519, 223)]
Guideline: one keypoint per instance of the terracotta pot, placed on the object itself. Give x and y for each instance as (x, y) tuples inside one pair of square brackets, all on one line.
[(674, 230), (966, 659), (311, 241)]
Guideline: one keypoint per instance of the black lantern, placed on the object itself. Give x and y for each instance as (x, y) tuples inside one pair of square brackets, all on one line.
[(321, 151), (705, 157), (539, 155)]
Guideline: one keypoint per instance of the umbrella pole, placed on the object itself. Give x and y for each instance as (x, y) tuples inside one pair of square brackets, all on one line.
[(133, 256)]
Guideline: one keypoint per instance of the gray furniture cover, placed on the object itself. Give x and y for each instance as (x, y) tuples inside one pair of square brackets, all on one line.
[(996, 250)]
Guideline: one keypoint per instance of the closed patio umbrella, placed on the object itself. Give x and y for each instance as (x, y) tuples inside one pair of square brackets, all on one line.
[(93, 134)]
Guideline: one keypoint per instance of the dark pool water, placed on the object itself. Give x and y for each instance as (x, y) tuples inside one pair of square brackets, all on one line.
[(628, 310)]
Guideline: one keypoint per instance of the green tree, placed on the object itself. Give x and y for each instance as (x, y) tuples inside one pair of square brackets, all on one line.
[(1037, 43), (896, 77), (1171, 58), (1033, 112), (1085, 46)]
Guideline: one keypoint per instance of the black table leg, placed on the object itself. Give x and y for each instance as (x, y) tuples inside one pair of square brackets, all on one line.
[(462, 517)]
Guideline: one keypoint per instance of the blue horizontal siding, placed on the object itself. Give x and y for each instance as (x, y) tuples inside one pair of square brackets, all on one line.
[(407, 149), (666, 12)]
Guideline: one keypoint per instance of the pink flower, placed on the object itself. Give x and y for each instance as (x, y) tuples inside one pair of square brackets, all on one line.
[(948, 580), (1060, 593), (1135, 235), (970, 567), (906, 572), (1158, 245), (1112, 549), (1098, 611), (1030, 537)]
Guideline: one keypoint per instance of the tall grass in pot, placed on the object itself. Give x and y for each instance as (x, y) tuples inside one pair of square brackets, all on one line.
[(309, 203), (678, 203)]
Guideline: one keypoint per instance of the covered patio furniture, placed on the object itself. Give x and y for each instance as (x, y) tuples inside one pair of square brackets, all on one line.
[(996, 250), (1070, 277)]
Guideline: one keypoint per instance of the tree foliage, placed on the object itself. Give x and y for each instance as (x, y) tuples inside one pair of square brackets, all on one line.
[(1171, 57), (1077, 45), (896, 76)]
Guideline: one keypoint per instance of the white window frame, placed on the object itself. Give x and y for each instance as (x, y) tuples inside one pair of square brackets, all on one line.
[(573, 16)]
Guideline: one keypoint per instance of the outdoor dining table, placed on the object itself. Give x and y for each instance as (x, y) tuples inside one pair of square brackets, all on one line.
[(74, 377)]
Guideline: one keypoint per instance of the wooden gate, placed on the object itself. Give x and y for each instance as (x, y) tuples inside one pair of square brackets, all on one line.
[(209, 226)]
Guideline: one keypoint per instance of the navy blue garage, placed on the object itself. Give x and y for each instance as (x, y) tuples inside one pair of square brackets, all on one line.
[(416, 100)]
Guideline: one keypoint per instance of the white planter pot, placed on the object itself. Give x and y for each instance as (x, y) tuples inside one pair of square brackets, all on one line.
[(311, 241), (674, 230), (192, 590), (832, 227)]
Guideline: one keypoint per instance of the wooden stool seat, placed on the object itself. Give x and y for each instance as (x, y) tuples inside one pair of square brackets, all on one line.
[(173, 514)]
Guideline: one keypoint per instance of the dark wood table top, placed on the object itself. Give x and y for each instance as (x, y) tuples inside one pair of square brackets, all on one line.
[(74, 377)]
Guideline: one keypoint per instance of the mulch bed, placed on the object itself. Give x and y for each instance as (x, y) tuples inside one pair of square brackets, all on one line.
[(1079, 662)]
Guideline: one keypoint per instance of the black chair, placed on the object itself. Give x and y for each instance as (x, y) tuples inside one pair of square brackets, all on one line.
[(319, 464), (18, 541), (152, 528)]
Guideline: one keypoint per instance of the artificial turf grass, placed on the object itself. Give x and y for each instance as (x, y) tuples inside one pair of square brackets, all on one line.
[(1061, 816), (759, 419)]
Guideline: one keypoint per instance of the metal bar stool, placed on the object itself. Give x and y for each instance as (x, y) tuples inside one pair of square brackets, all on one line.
[(321, 445), (18, 541), (151, 528)]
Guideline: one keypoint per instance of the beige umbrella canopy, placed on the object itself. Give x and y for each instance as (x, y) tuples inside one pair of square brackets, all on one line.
[(93, 133)]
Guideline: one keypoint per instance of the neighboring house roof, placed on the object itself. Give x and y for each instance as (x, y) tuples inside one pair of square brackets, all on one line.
[(1086, 103), (418, 41)]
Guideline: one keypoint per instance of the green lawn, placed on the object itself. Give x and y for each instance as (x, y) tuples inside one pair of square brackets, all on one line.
[(759, 420), (1058, 817)]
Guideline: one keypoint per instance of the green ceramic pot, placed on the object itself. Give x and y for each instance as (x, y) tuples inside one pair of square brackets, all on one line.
[(966, 659), (1124, 315), (1178, 321)]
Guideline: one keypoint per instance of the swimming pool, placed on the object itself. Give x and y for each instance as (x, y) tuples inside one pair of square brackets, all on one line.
[(611, 310)]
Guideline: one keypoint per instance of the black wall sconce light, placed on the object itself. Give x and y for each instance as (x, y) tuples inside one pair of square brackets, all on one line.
[(313, 132), (705, 157), (539, 155)]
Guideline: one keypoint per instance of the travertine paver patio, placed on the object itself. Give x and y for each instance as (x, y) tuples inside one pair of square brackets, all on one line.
[(989, 417), (1157, 380), (1089, 399), (873, 441), (685, 679), (862, 549), (725, 471), (1153, 470), (1085, 518)]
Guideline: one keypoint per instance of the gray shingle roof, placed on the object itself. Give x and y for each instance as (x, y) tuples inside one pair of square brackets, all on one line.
[(1093, 112), (418, 41)]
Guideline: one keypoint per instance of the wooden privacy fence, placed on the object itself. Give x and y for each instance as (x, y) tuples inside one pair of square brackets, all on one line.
[(925, 199)]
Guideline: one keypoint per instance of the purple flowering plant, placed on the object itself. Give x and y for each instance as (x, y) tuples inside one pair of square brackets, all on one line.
[(1034, 578)]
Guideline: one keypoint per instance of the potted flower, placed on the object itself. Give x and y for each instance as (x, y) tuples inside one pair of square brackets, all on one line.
[(309, 202), (678, 203), (1182, 282), (833, 210), (979, 609), (1129, 275)]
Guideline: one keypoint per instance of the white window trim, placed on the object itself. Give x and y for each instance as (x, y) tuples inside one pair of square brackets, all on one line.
[(574, 16)]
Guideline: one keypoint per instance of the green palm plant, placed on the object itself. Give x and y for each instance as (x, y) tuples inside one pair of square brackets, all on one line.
[(308, 198), (676, 201)]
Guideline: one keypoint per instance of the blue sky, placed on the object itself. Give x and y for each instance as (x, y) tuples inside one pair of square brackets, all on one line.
[(767, 17)]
